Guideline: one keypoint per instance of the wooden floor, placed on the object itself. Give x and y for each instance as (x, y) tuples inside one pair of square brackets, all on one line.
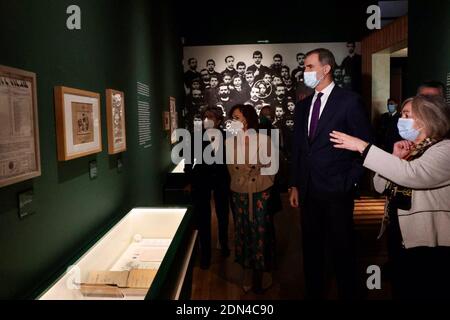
[(223, 281)]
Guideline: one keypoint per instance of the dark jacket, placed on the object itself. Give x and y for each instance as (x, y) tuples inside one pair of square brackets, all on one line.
[(388, 132), (317, 166), (262, 70), (204, 175)]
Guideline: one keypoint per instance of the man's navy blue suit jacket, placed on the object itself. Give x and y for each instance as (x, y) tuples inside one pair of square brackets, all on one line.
[(317, 166)]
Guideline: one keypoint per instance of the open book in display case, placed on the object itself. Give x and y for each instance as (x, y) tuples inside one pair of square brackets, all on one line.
[(148, 254)]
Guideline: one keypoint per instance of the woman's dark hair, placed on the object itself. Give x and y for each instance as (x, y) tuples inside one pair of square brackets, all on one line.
[(218, 113), (249, 114)]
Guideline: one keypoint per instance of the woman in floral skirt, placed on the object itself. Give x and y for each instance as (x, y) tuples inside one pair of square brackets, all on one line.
[(251, 183)]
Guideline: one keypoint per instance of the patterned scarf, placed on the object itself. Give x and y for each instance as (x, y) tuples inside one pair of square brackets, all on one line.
[(399, 197)]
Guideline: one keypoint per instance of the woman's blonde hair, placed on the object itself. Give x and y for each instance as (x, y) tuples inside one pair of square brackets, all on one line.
[(405, 103), (434, 113)]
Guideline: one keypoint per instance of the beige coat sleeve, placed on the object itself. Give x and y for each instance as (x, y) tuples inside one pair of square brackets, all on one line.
[(431, 170)]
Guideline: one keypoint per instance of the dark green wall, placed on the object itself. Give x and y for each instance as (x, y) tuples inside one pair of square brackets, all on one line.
[(121, 42), (429, 42)]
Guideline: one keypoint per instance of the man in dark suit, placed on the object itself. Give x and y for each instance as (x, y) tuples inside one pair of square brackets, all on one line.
[(275, 67), (210, 66), (297, 73), (352, 65), (230, 70), (224, 98), (324, 179), (388, 133), (258, 68), (191, 73)]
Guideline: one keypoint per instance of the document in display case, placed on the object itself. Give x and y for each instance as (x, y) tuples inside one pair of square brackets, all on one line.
[(148, 254)]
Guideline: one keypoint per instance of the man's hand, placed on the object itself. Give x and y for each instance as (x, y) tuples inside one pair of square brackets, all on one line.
[(402, 148), (293, 197)]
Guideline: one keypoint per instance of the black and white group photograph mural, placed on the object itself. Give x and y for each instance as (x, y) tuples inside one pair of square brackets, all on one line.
[(270, 77), (266, 76)]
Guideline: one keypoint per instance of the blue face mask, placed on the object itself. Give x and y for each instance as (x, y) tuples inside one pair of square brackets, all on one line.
[(311, 79), (406, 130), (392, 107)]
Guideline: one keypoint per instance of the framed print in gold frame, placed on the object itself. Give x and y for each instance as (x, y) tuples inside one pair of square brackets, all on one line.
[(78, 123), (166, 120), (115, 120), (19, 131), (173, 119)]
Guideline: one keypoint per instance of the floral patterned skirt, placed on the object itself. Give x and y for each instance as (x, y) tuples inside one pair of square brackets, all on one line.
[(254, 236)]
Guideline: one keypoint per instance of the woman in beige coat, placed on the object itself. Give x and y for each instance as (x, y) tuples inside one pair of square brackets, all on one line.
[(250, 193), (416, 181)]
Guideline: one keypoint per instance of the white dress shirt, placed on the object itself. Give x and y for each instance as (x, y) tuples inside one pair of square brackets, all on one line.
[(326, 94)]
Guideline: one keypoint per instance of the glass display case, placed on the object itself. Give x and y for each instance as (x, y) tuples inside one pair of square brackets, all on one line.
[(148, 254), (174, 193)]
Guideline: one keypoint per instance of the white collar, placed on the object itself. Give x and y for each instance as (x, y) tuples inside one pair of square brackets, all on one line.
[(327, 90)]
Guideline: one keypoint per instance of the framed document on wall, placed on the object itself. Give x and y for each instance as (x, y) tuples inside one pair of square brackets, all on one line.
[(173, 119), (78, 123), (19, 132), (166, 120), (115, 113)]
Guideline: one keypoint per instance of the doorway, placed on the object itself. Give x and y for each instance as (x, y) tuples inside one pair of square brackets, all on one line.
[(389, 70)]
